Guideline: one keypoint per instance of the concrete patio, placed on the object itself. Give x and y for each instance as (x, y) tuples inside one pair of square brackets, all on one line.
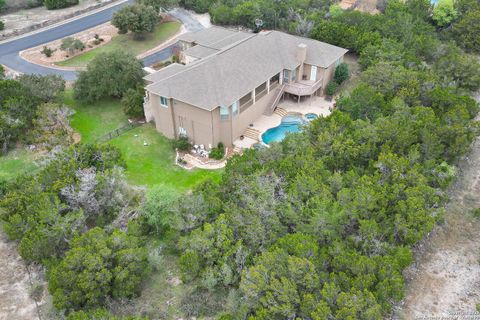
[(317, 105)]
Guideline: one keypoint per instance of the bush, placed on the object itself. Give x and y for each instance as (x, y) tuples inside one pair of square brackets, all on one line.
[(132, 103), (47, 51), (218, 152), (182, 144), (58, 4), (2, 72), (71, 45), (331, 88), (341, 73), (2, 25)]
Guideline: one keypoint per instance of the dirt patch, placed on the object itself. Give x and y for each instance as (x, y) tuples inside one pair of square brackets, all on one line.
[(369, 6), (445, 278), (105, 31), (27, 20), (16, 284)]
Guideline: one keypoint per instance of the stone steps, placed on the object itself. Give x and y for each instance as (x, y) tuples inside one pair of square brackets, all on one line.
[(281, 112), (252, 134)]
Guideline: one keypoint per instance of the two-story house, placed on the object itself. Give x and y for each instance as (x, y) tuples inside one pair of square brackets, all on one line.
[(230, 78)]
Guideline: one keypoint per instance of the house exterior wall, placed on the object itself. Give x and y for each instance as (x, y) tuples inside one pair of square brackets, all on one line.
[(160, 115), (197, 122)]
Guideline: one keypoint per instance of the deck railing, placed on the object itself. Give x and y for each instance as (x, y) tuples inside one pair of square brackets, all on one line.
[(300, 89)]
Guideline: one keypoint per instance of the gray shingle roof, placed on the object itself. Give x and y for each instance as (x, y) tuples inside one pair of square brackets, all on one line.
[(165, 72), (225, 77), (207, 37), (200, 51)]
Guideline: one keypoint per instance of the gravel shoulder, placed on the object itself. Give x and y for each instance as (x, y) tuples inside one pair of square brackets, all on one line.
[(15, 284), (445, 279)]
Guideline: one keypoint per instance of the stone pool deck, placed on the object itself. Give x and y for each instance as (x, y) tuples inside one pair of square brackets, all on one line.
[(317, 105)]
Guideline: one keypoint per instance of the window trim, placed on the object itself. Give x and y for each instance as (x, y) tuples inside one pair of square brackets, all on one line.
[(224, 116), (166, 102), (235, 108)]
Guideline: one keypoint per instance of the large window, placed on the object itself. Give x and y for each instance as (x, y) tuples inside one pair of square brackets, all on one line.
[(286, 76), (235, 108), (224, 113), (164, 102)]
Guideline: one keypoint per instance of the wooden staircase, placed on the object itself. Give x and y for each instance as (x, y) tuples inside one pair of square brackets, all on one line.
[(252, 134), (281, 112), (277, 95)]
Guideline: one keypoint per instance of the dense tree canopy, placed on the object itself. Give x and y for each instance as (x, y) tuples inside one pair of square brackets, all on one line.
[(137, 18), (20, 104), (320, 225), (109, 75), (97, 266)]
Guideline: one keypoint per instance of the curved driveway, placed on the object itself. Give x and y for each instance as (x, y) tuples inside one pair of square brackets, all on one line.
[(9, 50)]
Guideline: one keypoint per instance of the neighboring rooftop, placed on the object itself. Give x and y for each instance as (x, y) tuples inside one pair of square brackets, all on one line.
[(224, 77)]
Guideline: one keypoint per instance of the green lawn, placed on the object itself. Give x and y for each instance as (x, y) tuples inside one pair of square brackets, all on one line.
[(94, 120), (146, 165), (126, 43), (15, 163), (154, 164)]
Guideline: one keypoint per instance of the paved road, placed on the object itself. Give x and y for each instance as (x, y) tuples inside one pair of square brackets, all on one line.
[(9, 51)]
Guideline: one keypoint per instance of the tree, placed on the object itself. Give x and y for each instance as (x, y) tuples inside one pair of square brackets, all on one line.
[(71, 45), (467, 29), (59, 4), (341, 73), (18, 107), (98, 266), (132, 103), (48, 88), (136, 18), (98, 314), (444, 13), (157, 209), (109, 75), (160, 4), (2, 72)]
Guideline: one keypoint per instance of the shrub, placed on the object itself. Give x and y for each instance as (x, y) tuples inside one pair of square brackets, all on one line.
[(218, 152), (341, 73), (58, 4), (71, 45), (2, 72), (2, 25), (132, 103), (331, 88), (182, 143), (47, 51)]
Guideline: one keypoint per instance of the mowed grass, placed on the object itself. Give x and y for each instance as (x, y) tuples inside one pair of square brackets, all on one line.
[(146, 165), (15, 163), (126, 43), (92, 120), (154, 164)]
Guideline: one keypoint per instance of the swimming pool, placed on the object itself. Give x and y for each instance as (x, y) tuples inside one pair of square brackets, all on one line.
[(290, 123), (311, 116)]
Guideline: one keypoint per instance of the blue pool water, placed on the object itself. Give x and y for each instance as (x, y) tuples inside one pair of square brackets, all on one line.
[(311, 116), (290, 123)]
